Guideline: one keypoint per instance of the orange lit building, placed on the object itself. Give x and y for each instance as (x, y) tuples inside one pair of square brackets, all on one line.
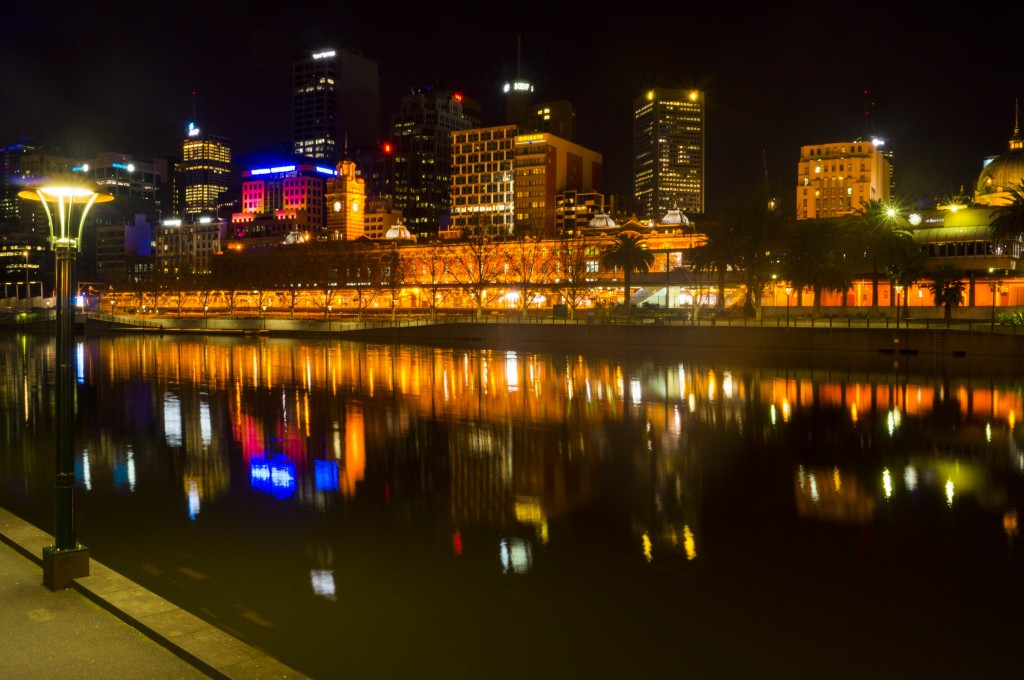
[(838, 178)]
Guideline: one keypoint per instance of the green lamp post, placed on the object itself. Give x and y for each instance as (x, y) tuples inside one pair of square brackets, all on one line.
[(66, 206)]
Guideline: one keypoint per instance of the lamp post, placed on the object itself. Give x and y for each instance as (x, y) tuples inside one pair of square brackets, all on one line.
[(64, 204), (789, 289), (899, 289), (994, 286)]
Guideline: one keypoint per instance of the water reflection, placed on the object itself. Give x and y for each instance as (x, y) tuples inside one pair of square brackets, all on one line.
[(389, 480)]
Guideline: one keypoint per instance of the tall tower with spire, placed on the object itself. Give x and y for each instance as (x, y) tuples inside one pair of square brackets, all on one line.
[(518, 93)]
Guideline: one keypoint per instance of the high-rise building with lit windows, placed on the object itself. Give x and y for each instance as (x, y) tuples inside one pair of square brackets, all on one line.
[(668, 152), (836, 179), (206, 161), (335, 104), (422, 137), (482, 180)]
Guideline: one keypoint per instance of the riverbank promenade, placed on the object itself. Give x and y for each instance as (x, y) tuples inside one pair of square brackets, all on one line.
[(105, 626)]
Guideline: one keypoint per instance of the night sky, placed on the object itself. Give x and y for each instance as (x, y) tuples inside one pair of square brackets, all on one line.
[(941, 87)]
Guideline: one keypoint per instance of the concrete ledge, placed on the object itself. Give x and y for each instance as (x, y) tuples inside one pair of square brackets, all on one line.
[(206, 647)]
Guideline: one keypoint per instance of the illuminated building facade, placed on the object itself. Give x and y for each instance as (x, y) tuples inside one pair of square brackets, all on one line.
[(346, 202), (206, 163), (544, 166), (335, 104), (839, 178), (279, 200), (482, 179), (668, 152), (422, 136)]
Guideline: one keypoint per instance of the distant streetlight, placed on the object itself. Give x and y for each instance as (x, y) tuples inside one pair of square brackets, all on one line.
[(789, 289), (64, 204), (899, 289)]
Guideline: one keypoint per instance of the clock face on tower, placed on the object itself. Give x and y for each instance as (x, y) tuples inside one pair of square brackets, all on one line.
[(337, 206), (355, 206)]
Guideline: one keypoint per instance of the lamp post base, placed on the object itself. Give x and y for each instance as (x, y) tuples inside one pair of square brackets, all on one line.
[(61, 567)]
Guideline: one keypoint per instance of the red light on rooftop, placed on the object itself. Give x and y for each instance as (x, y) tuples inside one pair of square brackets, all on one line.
[(457, 96), (387, 148)]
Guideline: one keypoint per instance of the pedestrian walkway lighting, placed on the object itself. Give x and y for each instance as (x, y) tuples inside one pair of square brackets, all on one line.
[(66, 206)]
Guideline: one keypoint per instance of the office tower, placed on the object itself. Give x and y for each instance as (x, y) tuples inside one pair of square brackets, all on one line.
[(206, 162), (668, 152), (544, 166), (335, 104), (422, 137), (557, 117), (482, 180), (345, 196), (839, 178)]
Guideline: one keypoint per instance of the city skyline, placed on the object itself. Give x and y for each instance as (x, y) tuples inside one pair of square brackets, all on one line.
[(774, 82)]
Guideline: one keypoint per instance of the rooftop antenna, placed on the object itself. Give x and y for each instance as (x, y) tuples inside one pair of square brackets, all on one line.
[(193, 105), (519, 57)]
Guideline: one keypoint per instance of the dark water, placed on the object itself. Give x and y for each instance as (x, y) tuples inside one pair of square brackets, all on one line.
[(399, 511)]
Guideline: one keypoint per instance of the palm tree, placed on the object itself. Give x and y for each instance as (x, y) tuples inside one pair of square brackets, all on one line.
[(815, 255), (628, 253), (948, 288), (1008, 220), (715, 255), (884, 237)]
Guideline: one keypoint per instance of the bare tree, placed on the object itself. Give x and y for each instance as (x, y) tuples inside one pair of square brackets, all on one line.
[(527, 260), (574, 267), (476, 265)]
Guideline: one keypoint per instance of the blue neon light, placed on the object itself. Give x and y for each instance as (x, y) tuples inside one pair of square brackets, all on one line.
[(326, 475), (326, 171), (274, 475)]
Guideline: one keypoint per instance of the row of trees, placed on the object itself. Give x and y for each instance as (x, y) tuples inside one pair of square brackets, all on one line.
[(756, 243), (821, 255)]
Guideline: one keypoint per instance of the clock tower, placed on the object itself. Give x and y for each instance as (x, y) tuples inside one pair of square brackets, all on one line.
[(346, 200)]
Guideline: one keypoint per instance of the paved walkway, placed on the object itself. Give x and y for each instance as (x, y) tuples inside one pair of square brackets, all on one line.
[(105, 626)]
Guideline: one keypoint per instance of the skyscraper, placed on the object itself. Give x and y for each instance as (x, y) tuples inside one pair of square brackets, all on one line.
[(335, 103), (668, 152), (206, 160), (422, 131)]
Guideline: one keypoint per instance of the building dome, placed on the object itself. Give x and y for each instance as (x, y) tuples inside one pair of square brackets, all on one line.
[(398, 231), (673, 217), (602, 222), (1001, 172)]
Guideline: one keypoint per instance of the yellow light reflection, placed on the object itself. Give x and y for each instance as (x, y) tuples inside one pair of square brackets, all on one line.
[(771, 412), (949, 492), (692, 402), (887, 483), (1010, 523), (727, 384), (648, 555), (688, 543), (836, 480), (853, 413), (785, 410)]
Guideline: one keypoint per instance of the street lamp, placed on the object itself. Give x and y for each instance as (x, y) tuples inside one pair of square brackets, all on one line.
[(994, 286), (64, 204), (899, 289), (789, 289)]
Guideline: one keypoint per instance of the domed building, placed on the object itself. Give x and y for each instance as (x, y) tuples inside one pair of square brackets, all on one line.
[(999, 173), (675, 218)]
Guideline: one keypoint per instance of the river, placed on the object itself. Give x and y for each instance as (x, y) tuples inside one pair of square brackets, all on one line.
[(371, 510)]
